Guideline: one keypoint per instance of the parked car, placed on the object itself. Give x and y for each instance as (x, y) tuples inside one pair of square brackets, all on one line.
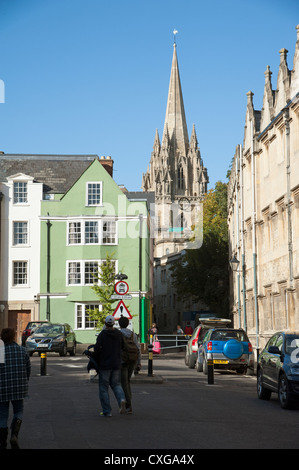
[(278, 369), (230, 349), (54, 337), (198, 334), (31, 326)]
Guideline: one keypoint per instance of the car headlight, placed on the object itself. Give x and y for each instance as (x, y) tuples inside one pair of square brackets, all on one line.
[(60, 339), (294, 371), (30, 340)]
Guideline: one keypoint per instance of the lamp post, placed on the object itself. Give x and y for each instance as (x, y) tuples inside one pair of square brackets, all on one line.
[(234, 264), (2, 308)]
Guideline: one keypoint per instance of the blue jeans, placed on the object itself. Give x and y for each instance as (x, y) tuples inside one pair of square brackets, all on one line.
[(17, 405), (110, 378)]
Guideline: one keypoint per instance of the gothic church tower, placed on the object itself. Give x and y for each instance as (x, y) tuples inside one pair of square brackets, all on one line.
[(176, 173)]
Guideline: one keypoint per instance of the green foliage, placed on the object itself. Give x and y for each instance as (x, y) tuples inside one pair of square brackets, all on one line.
[(202, 274), (104, 289)]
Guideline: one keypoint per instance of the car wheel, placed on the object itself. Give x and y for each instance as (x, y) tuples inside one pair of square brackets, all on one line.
[(64, 350), (284, 393), (186, 359), (262, 392), (191, 362), (205, 366), (73, 351), (199, 366)]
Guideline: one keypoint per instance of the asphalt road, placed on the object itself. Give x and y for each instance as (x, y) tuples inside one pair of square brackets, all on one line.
[(182, 413)]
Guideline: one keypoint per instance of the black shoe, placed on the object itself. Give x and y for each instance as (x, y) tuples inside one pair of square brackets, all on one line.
[(15, 429), (3, 438)]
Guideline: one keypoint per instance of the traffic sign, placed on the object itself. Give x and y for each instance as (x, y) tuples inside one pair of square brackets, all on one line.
[(122, 296), (121, 311), (121, 287)]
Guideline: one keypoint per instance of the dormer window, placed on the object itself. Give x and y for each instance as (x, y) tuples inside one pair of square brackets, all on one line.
[(20, 187), (20, 192)]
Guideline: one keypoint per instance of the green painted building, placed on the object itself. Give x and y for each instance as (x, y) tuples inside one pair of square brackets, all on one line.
[(79, 227)]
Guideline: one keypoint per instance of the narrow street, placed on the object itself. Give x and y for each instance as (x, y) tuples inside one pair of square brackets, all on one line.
[(182, 413)]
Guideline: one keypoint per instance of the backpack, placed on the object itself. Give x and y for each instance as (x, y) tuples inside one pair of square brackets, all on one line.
[(131, 351), (92, 363)]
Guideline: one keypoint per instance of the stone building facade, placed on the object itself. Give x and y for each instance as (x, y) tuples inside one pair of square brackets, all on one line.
[(263, 208)]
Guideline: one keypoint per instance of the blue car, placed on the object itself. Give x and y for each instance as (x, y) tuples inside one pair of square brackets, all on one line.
[(278, 369), (230, 349)]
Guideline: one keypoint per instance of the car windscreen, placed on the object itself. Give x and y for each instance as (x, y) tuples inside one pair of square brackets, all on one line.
[(33, 324), (49, 329), (227, 334), (292, 343)]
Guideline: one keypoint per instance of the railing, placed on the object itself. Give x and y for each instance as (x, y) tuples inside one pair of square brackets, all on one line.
[(178, 341)]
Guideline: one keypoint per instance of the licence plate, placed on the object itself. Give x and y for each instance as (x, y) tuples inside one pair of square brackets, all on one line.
[(219, 361), (42, 345)]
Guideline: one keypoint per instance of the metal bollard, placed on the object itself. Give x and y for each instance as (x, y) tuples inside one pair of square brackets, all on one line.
[(43, 364), (150, 360), (210, 363)]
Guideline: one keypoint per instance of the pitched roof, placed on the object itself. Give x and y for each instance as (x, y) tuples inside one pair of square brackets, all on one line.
[(57, 172)]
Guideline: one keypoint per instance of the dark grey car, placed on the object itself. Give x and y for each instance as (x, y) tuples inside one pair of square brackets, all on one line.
[(55, 337)]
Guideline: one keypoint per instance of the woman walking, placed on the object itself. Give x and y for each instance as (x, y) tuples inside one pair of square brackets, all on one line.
[(14, 377)]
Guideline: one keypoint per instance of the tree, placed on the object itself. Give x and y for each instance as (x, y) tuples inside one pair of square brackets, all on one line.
[(202, 274), (104, 289)]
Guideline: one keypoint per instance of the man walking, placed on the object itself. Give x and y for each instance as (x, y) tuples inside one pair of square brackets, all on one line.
[(131, 358), (107, 353)]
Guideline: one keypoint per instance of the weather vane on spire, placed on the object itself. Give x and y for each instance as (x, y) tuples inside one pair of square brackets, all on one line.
[(175, 32)]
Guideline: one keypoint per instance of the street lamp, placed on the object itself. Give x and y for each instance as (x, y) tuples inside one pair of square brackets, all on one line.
[(234, 264), (120, 276)]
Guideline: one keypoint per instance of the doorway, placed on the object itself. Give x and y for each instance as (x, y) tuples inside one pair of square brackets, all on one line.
[(18, 321)]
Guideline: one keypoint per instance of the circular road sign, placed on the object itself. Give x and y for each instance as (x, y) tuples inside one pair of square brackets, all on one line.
[(121, 287)]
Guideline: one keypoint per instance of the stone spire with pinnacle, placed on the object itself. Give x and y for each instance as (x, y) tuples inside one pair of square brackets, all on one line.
[(175, 119), (176, 168)]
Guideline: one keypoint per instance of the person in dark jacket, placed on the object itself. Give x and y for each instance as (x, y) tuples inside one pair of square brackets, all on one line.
[(127, 366), (14, 377), (107, 353)]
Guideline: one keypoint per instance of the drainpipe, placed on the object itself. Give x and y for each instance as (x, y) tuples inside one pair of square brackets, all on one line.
[(238, 230), (140, 276), (289, 202), (254, 255), (242, 235), (48, 312)]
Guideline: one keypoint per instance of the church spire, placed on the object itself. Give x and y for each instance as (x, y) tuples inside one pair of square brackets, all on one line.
[(175, 119)]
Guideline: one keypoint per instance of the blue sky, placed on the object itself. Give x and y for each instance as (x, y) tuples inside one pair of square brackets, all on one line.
[(92, 76)]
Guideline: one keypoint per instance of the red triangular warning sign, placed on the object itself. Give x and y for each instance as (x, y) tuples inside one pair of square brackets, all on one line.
[(121, 311)]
